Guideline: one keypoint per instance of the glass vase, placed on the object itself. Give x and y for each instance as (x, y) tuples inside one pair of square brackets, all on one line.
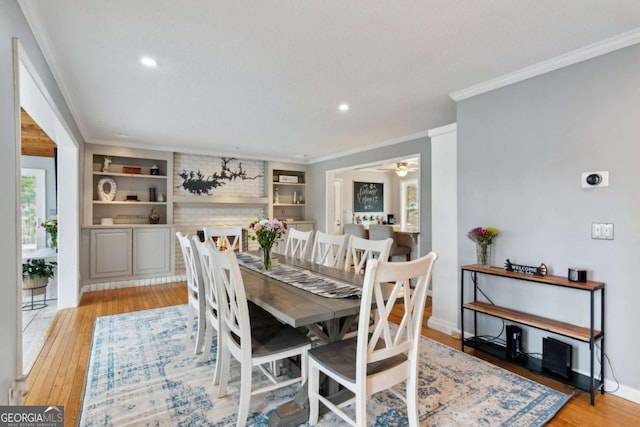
[(266, 258), (483, 255)]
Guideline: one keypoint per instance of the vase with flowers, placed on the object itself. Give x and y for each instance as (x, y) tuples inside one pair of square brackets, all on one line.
[(266, 232), (51, 227), (484, 239)]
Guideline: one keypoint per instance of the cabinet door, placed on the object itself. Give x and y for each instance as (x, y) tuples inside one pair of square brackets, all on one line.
[(110, 253), (151, 250)]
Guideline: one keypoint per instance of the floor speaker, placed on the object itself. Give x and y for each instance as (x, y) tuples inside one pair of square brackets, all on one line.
[(556, 357)]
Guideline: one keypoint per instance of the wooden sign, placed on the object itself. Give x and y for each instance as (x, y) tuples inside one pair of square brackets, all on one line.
[(525, 269), (368, 197)]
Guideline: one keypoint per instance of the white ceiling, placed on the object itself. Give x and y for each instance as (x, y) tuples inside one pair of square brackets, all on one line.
[(263, 79)]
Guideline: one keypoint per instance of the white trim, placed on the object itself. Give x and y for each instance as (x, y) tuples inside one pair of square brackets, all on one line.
[(443, 326), (386, 143), (442, 130), (623, 391), (582, 54), (42, 39)]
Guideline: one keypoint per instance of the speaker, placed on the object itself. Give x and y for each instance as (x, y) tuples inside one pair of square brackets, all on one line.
[(556, 357), (514, 343)]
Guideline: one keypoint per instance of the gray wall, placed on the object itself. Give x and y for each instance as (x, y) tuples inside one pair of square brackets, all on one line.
[(13, 24), (316, 181), (521, 151)]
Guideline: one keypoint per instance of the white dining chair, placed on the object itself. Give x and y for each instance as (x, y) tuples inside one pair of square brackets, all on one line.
[(224, 238), (328, 249), (298, 243), (360, 250), (251, 346), (195, 290), (381, 357)]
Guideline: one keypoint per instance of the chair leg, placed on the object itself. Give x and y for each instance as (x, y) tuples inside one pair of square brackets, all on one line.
[(220, 365), (223, 366), (313, 385), (412, 403), (361, 409), (190, 315), (208, 338), (201, 331), (245, 394)]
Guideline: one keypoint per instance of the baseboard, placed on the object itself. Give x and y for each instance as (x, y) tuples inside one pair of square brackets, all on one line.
[(442, 326), (623, 391), (133, 283)]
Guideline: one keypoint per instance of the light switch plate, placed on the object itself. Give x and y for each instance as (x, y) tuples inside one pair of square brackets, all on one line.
[(602, 231)]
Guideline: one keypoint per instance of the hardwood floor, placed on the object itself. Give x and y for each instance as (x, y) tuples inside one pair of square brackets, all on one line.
[(58, 375)]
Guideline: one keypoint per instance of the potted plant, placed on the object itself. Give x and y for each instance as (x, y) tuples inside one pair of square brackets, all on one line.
[(36, 274)]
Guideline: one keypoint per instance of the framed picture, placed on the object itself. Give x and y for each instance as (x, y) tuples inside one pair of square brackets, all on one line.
[(368, 196)]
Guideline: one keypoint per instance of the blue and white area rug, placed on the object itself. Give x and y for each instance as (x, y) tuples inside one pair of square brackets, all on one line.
[(142, 371)]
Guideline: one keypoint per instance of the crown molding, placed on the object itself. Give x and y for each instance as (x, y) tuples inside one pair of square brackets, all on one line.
[(591, 51), (452, 127), (373, 146)]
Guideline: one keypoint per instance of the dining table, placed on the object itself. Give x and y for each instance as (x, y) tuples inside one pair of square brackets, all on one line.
[(327, 316)]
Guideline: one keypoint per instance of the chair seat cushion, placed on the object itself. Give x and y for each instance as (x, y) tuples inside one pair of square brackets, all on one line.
[(276, 338), (340, 357)]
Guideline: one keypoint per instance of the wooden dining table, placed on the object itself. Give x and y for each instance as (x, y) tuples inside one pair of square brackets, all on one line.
[(327, 318)]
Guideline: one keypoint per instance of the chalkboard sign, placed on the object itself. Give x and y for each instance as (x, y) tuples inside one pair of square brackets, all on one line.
[(368, 197)]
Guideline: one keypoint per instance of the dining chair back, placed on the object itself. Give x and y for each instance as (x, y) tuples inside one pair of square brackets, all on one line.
[(328, 249), (384, 355), (257, 346), (378, 232), (224, 238), (195, 290), (212, 307), (298, 243), (360, 250), (356, 230)]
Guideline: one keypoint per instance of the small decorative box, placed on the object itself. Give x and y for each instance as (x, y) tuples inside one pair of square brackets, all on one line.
[(132, 169), (288, 178)]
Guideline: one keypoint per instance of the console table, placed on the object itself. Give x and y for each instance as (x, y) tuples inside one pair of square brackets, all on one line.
[(589, 334)]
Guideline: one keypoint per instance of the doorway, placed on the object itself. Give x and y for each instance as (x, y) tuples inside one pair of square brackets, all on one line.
[(32, 96)]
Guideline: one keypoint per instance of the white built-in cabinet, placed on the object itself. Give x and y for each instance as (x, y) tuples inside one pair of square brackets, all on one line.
[(132, 247), (130, 252)]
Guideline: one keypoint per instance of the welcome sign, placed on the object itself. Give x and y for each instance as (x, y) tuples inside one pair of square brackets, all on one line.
[(368, 197)]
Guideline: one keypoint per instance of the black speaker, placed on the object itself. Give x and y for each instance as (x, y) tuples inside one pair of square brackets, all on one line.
[(556, 357), (514, 342)]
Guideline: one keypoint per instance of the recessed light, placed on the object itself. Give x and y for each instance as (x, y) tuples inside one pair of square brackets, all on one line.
[(148, 62), (343, 107)]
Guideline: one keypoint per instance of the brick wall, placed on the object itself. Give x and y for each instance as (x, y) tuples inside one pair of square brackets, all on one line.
[(189, 219)]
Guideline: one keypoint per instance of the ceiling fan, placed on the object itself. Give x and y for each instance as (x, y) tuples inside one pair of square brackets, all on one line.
[(401, 168)]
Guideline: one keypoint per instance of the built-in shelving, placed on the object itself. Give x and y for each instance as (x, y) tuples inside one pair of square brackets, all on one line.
[(287, 189)]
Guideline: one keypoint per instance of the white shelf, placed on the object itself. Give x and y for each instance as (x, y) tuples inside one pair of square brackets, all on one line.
[(122, 202), (130, 175), (300, 184), (220, 200), (287, 204)]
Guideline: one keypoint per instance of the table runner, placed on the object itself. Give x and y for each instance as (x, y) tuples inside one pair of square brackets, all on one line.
[(301, 278)]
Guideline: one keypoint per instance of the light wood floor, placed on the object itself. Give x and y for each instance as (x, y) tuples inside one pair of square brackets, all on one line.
[(58, 375)]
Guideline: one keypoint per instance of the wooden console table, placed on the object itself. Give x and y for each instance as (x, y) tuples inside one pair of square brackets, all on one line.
[(589, 334)]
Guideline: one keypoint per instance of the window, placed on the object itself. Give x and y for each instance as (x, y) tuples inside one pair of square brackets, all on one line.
[(33, 209), (410, 214)]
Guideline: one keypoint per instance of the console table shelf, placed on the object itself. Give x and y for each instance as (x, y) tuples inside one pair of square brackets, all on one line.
[(589, 335)]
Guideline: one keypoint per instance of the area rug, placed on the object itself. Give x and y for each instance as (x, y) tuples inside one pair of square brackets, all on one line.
[(142, 371)]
